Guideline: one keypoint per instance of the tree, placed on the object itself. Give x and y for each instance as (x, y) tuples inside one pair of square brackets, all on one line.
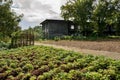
[(116, 16), (79, 11), (105, 15), (93, 15), (38, 32), (8, 20)]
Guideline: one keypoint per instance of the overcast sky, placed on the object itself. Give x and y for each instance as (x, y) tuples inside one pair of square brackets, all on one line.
[(36, 11)]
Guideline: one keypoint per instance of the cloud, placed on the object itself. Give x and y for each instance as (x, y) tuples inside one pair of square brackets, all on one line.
[(36, 11)]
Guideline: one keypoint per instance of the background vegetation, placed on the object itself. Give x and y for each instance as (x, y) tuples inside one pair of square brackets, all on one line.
[(95, 17), (9, 21)]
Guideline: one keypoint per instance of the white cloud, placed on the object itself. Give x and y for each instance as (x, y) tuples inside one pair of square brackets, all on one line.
[(36, 11)]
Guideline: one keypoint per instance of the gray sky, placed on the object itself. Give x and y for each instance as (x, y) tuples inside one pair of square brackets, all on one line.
[(36, 11)]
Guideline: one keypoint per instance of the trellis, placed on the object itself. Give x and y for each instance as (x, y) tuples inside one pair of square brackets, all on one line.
[(24, 39)]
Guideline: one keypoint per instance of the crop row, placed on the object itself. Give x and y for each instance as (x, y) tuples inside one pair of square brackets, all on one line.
[(47, 63)]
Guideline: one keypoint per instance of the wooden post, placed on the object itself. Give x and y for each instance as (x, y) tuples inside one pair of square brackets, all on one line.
[(30, 37), (25, 39), (33, 38)]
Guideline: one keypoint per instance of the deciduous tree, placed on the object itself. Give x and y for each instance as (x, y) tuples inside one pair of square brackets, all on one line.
[(93, 15), (79, 11), (8, 20)]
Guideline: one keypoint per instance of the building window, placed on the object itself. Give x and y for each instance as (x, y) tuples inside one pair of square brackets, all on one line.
[(72, 27)]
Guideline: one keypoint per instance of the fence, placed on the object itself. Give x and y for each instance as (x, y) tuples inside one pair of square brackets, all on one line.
[(24, 39)]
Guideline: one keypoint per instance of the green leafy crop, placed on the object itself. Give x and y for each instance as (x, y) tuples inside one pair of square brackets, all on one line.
[(47, 63)]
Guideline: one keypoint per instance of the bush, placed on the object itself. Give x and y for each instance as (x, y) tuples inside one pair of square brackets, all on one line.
[(4, 46), (67, 37), (56, 38)]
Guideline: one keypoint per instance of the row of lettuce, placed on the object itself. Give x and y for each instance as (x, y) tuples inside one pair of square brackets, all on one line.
[(47, 63)]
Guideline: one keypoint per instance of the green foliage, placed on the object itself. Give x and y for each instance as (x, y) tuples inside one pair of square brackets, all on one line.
[(4, 45), (16, 34), (4, 38), (38, 32), (28, 67), (56, 38), (67, 37), (93, 15), (47, 63), (13, 65), (26, 76), (33, 78), (8, 20), (93, 37), (93, 76), (79, 11)]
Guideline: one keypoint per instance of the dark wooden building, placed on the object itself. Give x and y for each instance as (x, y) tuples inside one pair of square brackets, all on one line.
[(52, 28)]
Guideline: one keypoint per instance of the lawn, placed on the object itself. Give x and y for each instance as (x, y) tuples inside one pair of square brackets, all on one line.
[(47, 63)]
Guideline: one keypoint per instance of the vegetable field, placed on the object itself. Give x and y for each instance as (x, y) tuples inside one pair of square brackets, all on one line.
[(47, 63)]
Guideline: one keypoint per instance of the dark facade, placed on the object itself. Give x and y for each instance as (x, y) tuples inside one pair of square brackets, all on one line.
[(52, 28)]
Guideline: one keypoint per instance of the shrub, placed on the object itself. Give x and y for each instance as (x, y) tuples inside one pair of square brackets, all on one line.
[(56, 38), (4, 46), (67, 37)]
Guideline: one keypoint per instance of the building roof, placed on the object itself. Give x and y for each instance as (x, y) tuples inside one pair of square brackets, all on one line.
[(48, 20)]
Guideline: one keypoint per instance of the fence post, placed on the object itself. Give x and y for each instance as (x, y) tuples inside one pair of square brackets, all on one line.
[(25, 39)]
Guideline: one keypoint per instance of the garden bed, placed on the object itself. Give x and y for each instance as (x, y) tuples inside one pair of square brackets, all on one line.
[(47, 63)]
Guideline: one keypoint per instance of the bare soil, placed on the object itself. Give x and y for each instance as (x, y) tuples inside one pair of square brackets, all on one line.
[(111, 46), (110, 49)]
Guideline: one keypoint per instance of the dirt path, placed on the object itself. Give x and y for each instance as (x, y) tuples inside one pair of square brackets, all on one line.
[(113, 55)]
